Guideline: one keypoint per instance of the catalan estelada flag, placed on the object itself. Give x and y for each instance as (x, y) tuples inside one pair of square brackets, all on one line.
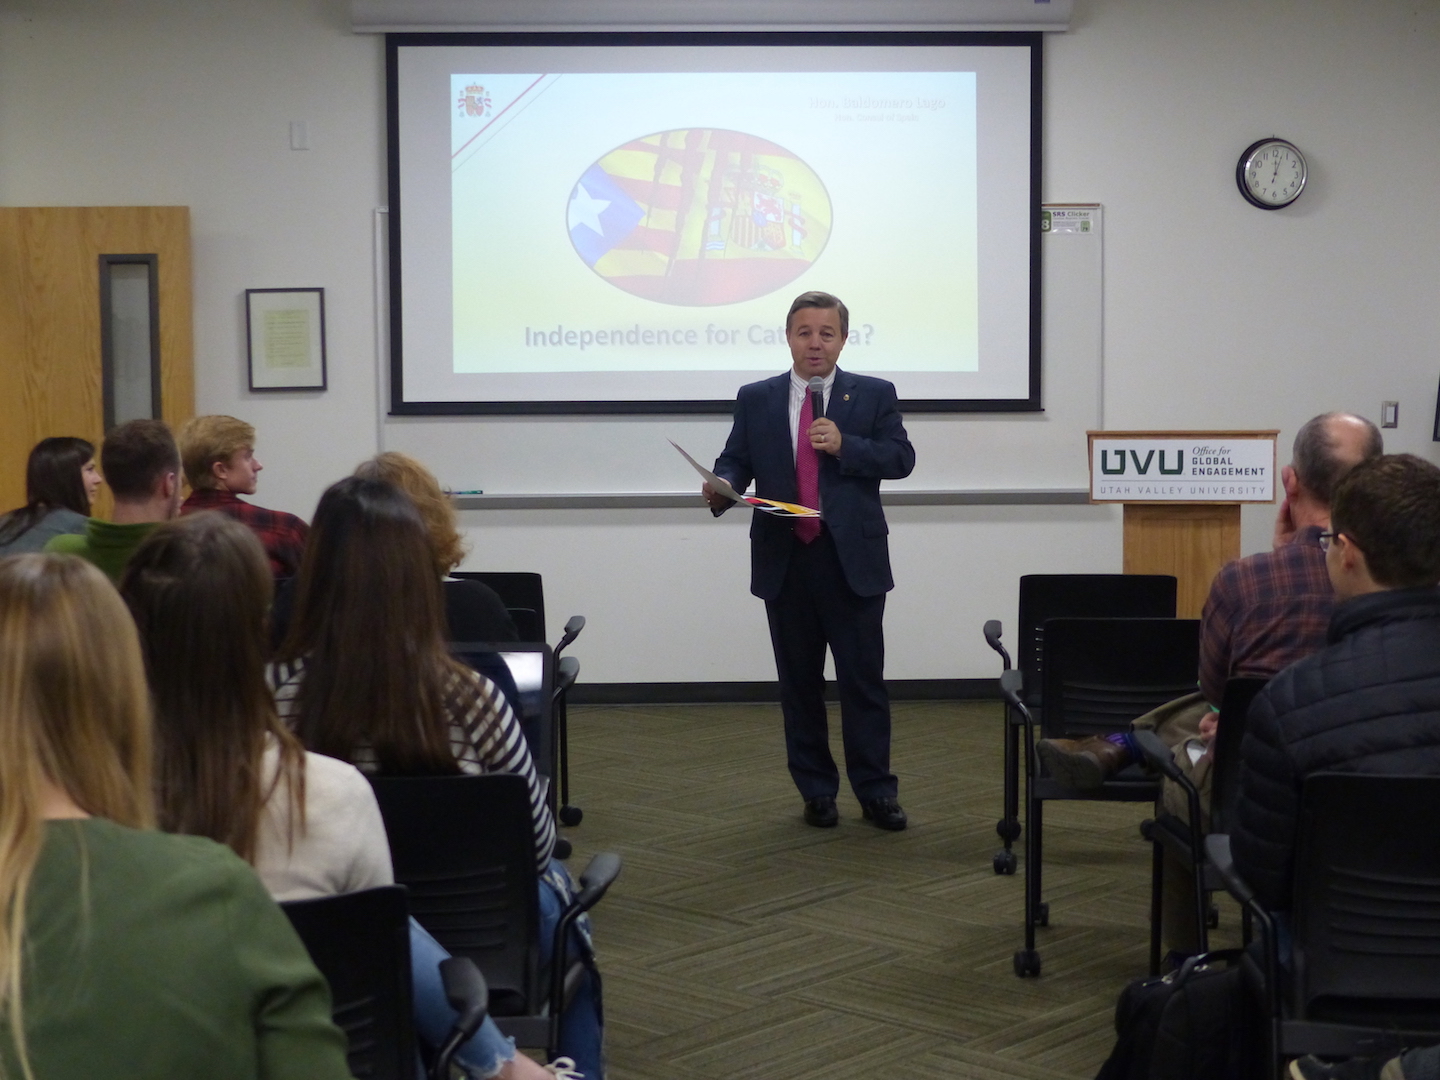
[(699, 216)]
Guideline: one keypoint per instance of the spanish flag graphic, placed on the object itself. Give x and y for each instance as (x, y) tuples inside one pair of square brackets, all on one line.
[(699, 216)]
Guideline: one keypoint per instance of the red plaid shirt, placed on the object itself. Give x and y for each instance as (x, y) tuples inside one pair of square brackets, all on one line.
[(1265, 612), (283, 535)]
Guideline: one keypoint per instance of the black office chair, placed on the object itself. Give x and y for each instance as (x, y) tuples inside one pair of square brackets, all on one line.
[(523, 594), (1051, 596), (360, 941), (1185, 840), (1099, 674), (1364, 977), (464, 846)]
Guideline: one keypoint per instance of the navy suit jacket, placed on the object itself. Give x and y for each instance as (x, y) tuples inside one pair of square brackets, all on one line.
[(873, 447)]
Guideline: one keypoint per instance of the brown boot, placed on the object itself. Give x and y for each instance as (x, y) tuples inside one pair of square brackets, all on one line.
[(1082, 763)]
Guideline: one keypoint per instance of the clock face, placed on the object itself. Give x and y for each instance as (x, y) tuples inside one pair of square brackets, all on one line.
[(1271, 173)]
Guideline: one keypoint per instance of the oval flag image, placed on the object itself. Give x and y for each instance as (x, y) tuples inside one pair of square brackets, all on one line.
[(699, 216)]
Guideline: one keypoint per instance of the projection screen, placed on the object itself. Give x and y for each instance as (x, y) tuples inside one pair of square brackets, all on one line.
[(608, 223)]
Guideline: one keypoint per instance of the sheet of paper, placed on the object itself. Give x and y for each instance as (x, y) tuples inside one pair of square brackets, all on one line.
[(721, 485), (718, 483)]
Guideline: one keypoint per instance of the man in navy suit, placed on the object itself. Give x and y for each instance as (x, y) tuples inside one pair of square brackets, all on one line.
[(824, 582)]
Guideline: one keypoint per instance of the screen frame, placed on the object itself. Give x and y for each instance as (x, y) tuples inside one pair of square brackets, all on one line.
[(1033, 40)]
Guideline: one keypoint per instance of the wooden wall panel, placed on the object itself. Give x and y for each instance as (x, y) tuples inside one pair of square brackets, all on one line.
[(1190, 541), (50, 375)]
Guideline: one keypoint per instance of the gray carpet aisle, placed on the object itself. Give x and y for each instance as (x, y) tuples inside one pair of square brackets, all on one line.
[(739, 942)]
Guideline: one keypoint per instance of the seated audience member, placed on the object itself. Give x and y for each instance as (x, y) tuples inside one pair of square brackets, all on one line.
[(1370, 701), (60, 482), (228, 769), (1263, 613), (142, 467), (473, 610), (124, 952), (364, 675), (220, 464)]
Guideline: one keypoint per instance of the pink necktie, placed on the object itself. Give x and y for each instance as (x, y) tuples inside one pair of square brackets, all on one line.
[(807, 475)]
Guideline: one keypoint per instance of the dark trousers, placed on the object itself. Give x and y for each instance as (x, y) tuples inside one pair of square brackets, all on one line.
[(817, 608)]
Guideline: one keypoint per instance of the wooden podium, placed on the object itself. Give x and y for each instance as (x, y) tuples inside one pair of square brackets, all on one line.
[(1182, 492)]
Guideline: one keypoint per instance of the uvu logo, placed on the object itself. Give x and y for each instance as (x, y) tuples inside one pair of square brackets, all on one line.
[(1141, 467)]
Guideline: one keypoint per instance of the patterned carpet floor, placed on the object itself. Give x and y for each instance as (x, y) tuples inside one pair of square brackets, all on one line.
[(740, 943)]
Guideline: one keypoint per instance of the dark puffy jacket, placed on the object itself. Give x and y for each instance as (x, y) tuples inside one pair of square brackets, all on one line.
[(1369, 703)]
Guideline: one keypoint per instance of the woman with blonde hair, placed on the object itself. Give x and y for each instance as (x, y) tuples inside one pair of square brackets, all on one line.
[(473, 610), (124, 950)]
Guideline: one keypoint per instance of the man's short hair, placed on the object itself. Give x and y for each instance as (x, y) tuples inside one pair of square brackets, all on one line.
[(206, 440), (136, 456), (1316, 456), (820, 300), (1390, 507)]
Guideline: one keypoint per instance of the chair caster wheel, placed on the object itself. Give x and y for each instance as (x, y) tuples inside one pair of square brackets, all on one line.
[(1212, 918), (1027, 963), (563, 849), (571, 815), (1042, 914), (1004, 862), (1007, 830)]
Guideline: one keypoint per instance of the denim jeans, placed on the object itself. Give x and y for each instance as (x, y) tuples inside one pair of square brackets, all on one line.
[(488, 1051), (581, 1035)]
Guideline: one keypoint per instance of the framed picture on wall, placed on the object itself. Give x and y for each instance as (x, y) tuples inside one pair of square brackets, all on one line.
[(285, 330)]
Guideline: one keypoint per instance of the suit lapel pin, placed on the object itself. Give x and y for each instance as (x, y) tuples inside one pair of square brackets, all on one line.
[(847, 397)]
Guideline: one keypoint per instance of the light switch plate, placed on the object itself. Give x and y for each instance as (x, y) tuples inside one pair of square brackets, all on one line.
[(1389, 414)]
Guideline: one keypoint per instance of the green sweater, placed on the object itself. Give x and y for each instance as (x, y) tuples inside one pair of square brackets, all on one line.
[(152, 957), (107, 545)]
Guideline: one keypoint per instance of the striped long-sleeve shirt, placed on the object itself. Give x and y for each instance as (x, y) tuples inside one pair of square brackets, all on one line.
[(485, 737)]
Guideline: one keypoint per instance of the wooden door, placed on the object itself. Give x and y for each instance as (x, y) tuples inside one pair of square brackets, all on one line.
[(50, 323)]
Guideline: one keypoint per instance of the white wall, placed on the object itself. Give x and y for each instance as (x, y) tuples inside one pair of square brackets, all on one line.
[(1215, 314)]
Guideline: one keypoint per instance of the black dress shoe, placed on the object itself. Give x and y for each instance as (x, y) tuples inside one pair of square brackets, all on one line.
[(885, 813), (821, 812)]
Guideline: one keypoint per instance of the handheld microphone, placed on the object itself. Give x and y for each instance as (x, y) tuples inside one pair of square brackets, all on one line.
[(817, 397)]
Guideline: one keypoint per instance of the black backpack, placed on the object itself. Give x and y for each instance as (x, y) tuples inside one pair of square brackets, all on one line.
[(1189, 1025)]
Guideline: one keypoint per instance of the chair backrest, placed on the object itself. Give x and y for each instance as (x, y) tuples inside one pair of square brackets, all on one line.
[(464, 846), (1367, 898), (1102, 673), (1100, 596), (523, 594), (360, 941), (1229, 734), (525, 673)]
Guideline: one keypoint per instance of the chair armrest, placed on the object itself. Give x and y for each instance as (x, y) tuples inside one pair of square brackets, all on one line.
[(468, 995), (566, 672), (992, 633), (1158, 756), (597, 878), (1217, 850), (466, 992), (572, 631), (1011, 683)]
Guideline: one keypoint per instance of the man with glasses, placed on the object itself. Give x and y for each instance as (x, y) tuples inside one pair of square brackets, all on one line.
[(1370, 701)]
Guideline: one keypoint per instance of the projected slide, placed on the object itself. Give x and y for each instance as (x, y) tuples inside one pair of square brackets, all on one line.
[(713, 200), (638, 235)]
